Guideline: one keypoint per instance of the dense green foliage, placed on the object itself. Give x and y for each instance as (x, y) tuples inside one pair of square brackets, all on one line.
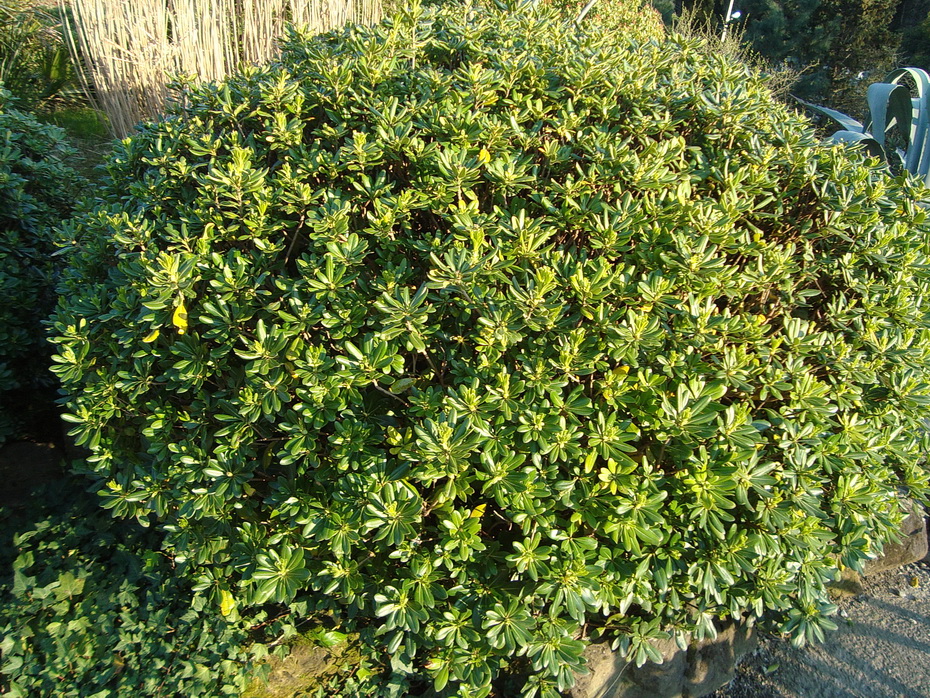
[(89, 607), (37, 189), (915, 43), (476, 329)]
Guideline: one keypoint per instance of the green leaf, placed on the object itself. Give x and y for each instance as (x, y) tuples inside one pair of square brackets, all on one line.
[(330, 638)]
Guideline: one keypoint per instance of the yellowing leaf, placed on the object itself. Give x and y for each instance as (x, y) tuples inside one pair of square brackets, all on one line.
[(484, 156), (152, 337), (227, 602), (589, 461), (179, 319)]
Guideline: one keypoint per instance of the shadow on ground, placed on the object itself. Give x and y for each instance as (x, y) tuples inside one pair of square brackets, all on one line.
[(880, 650)]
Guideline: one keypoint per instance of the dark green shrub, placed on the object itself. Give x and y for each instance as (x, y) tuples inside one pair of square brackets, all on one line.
[(915, 44), (477, 330), (92, 608), (37, 189)]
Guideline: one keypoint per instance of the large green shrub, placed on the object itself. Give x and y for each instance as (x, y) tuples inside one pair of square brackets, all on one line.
[(37, 188), (480, 331)]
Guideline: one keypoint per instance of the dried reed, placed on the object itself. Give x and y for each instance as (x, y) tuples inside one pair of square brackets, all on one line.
[(131, 51)]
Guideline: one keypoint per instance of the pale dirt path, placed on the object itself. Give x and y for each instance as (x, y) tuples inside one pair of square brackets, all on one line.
[(881, 649)]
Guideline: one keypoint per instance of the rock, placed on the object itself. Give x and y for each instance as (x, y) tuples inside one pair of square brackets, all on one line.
[(700, 669), (849, 584), (606, 673), (913, 545), (653, 679), (712, 663), (302, 672)]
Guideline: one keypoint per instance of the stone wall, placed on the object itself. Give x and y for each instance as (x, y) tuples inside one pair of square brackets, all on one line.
[(701, 668), (911, 548)]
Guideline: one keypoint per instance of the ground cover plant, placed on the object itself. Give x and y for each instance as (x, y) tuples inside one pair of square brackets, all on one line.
[(91, 607), (38, 187), (485, 335)]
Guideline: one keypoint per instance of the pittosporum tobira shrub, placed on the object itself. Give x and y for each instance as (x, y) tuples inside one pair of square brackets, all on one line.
[(37, 188), (480, 330)]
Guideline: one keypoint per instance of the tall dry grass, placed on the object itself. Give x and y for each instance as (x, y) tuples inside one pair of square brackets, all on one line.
[(130, 51)]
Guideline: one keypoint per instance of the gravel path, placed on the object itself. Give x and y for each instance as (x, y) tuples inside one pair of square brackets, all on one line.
[(880, 650)]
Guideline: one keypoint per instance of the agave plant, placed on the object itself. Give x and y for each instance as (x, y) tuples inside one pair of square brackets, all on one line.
[(892, 108)]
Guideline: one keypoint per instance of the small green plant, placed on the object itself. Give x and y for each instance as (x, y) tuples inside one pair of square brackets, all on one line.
[(489, 334), (37, 189), (898, 130)]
